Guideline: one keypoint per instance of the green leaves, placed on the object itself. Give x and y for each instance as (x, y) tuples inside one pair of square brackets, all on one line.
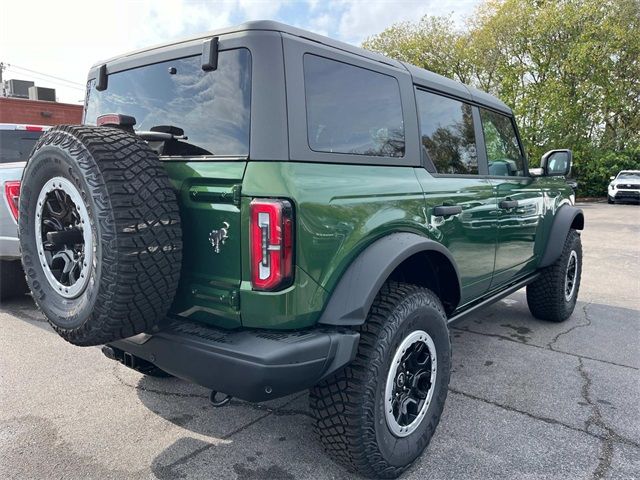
[(570, 69)]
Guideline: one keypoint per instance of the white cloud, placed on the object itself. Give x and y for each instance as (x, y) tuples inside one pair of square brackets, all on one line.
[(260, 9), (361, 19), (64, 38)]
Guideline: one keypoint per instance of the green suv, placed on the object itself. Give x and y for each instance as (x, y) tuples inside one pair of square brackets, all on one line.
[(261, 210)]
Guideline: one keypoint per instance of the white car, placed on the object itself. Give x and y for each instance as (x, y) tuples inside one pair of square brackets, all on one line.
[(624, 187)]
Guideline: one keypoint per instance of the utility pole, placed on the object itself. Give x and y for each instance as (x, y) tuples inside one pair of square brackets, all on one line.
[(3, 92)]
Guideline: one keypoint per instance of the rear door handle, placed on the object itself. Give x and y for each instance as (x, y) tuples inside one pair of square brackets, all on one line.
[(447, 210), (507, 204)]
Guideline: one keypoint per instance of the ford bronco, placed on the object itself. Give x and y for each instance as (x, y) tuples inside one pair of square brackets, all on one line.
[(261, 210)]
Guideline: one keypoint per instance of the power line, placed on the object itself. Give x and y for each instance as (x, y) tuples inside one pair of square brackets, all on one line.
[(41, 76), (13, 65)]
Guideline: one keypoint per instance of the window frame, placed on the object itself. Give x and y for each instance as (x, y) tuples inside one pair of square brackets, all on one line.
[(483, 168), (394, 85), (479, 138), (268, 137), (299, 149), (205, 157)]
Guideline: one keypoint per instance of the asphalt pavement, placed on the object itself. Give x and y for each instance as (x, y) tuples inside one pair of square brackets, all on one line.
[(527, 400)]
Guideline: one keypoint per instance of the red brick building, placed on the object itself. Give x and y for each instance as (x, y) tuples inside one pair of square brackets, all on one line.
[(38, 112)]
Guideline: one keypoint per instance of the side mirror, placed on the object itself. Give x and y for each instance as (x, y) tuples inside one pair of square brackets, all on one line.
[(612, 177), (556, 163)]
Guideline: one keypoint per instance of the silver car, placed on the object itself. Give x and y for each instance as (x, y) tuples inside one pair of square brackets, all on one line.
[(16, 143), (624, 187)]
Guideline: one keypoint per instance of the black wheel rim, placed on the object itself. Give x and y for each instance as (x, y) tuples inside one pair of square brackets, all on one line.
[(63, 237), (571, 276), (410, 383)]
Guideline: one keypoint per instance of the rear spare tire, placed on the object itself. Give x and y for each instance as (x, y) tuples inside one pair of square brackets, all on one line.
[(100, 233)]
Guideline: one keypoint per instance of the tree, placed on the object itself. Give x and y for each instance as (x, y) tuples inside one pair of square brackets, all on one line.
[(570, 69)]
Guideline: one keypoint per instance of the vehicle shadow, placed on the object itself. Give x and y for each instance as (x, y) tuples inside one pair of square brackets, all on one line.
[(241, 440), (24, 308), (275, 440)]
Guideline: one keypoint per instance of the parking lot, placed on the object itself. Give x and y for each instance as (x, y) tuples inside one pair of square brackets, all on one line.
[(527, 399)]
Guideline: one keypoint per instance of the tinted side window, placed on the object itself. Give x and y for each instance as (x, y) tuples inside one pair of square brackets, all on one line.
[(352, 109), (212, 107), (503, 150), (446, 130), (16, 145)]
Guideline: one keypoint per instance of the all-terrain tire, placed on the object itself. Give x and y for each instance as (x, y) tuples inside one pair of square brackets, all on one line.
[(12, 281), (134, 222), (546, 296), (349, 408)]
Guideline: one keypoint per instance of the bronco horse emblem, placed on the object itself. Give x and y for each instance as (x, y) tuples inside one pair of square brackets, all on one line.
[(218, 237)]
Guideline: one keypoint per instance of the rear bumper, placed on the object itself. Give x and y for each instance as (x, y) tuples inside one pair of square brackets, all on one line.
[(253, 365)]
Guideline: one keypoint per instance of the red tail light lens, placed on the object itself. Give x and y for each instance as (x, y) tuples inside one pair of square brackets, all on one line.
[(271, 235), (12, 193), (116, 120)]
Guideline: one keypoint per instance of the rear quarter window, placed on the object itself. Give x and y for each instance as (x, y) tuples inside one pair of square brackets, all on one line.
[(352, 110), (212, 107), (16, 145)]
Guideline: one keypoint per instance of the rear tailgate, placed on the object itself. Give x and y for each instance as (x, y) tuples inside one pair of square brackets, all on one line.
[(206, 113), (209, 197)]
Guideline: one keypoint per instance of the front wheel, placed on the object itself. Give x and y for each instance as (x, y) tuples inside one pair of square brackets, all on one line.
[(553, 295), (378, 414), (610, 199)]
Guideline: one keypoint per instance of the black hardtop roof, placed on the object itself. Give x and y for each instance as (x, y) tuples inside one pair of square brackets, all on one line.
[(421, 76)]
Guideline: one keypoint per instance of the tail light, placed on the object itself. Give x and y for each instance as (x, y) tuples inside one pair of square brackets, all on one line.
[(271, 235), (30, 128), (116, 120), (12, 192)]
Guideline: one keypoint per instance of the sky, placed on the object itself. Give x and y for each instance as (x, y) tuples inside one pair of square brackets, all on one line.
[(64, 38)]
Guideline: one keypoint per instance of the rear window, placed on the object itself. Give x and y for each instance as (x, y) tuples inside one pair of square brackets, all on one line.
[(213, 108), (352, 110), (16, 145)]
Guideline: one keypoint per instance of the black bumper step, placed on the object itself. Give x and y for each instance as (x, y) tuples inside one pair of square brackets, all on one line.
[(253, 365)]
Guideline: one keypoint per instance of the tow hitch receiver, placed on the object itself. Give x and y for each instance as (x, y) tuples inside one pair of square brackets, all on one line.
[(127, 359), (219, 403)]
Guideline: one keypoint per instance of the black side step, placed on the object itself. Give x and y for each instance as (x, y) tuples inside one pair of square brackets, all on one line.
[(493, 298)]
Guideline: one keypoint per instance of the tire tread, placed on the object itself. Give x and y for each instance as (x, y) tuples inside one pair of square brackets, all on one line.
[(545, 296), (343, 405), (139, 221)]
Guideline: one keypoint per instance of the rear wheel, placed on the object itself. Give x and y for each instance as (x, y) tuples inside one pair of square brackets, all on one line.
[(378, 414), (553, 295), (100, 233)]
